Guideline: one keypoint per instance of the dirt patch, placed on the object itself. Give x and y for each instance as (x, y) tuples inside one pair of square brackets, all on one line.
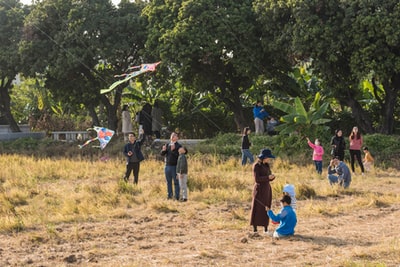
[(150, 238)]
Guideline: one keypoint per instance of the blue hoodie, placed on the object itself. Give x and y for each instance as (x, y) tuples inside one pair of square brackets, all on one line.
[(287, 218)]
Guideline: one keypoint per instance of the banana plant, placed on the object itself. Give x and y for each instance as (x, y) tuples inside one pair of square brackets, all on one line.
[(299, 120)]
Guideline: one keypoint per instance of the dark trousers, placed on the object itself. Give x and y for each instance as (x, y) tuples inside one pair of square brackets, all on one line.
[(132, 166), (157, 134), (318, 166), (356, 154)]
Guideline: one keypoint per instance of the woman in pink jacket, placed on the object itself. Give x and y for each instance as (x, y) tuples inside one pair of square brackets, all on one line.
[(317, 154), (356, 142)]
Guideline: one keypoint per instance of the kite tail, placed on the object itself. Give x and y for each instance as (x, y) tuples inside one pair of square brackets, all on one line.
[(88, 142), (120, 75)]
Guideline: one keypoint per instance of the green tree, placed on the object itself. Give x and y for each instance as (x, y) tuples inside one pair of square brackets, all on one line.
[(11, 24), (213, 45), (350, 41), (79, 46)]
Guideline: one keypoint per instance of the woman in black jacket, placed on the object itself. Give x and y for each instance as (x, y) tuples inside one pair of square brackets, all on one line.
[(338, 145)]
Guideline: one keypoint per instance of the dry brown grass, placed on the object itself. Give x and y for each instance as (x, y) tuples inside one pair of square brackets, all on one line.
[(75, 212)]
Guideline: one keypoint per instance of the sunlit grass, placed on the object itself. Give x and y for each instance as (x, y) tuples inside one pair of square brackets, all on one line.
[(47, 192)]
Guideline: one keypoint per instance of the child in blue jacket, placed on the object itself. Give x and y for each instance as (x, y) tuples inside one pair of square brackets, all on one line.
[(287, 219)]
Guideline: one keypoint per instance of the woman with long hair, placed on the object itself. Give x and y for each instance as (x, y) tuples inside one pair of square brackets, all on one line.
[(356, 142)]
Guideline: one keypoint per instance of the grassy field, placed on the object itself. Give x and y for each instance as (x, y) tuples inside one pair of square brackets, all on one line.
[(78, 212)]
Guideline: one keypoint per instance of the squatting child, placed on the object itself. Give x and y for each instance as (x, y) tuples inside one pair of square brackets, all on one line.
[(287, 219)]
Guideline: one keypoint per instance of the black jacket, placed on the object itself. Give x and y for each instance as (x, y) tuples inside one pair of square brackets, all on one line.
[(171, 156), (136, 149)]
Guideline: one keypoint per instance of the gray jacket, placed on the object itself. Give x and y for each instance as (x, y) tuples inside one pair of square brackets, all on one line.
[(182, 166)]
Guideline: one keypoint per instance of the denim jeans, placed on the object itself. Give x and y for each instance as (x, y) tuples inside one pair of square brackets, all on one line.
[(333, 179), (318, 166), (246, 154), (170, 176)]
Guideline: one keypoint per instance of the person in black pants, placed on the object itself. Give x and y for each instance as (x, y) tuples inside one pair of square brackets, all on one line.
[(134, 155), (338, 145)]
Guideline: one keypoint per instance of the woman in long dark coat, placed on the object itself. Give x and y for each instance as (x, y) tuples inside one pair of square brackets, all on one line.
[(262, 192), (338, 145)]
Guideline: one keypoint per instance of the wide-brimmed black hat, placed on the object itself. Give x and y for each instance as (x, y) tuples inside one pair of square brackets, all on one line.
[(266, 153)]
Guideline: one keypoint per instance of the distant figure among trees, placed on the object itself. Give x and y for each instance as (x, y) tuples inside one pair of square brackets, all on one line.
[(145, 121), (126, 122), (259, 114), (156, 120), (271, 124)]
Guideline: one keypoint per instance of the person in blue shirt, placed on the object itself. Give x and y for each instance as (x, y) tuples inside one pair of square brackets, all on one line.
[(287, 218), (259, 114)]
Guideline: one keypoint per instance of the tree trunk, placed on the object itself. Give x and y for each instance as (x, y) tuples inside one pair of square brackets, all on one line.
[(112, 109), (5, 107), (362, 119), (239, 115), (388, 107), (93, 115)]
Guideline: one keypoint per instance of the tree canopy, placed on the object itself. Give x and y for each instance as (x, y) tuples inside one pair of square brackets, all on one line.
[(218, 57)]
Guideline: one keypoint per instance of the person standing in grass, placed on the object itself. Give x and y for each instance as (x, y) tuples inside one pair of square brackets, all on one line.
[(134, 155), (171, 154), (317, 154), (246, 153), (287, 219), (338, 172), (262, 192), (338, 145), (356, 142), (182, 172)]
